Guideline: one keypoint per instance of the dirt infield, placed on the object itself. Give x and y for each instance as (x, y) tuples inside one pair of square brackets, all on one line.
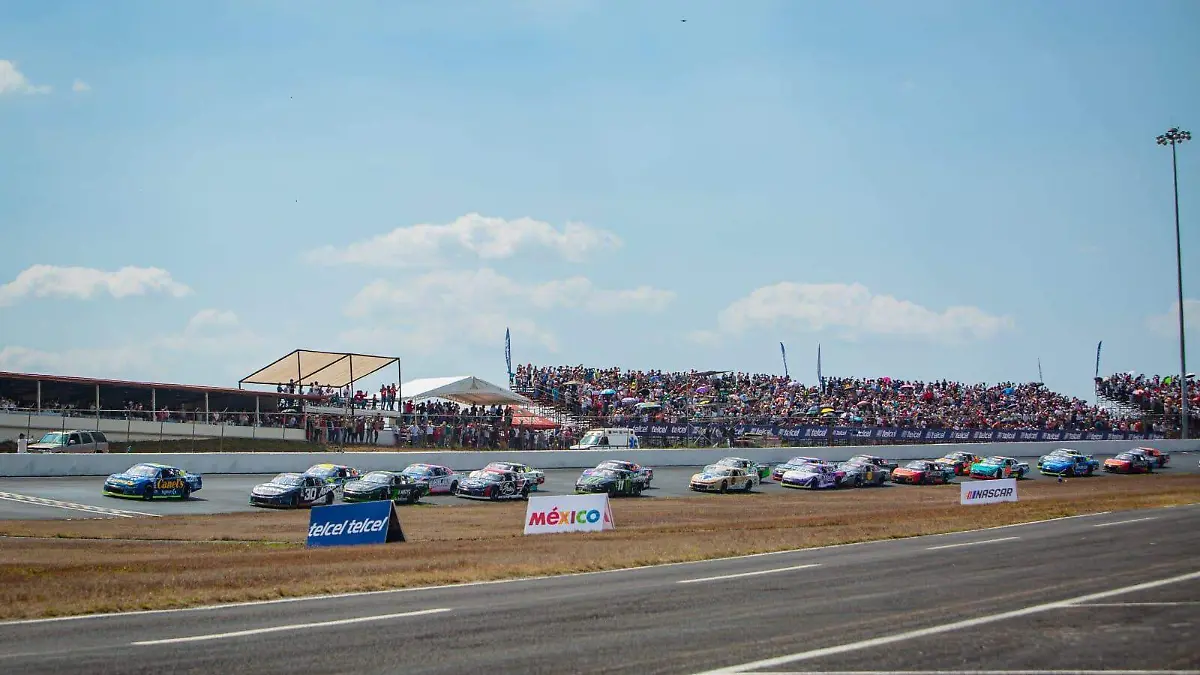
[(50, 568)]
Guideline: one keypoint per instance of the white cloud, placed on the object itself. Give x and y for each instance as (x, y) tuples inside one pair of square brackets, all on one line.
[(487, 238), (853, 310), (83, 283), (477, 306), (1167, 324), (79, 86), (13, 81), (214, 336)]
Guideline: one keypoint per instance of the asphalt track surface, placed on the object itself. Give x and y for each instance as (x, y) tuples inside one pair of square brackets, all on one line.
[(80, 497), (1101, 593)]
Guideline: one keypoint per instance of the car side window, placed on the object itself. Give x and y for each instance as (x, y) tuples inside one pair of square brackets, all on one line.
[(85, 437), (73, 439), (99, 437)]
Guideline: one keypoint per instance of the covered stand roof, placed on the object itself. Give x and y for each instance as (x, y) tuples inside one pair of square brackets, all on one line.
[(465, 389), (330, 369)]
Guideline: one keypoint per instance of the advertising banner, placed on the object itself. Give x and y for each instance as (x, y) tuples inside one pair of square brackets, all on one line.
[(791, 432), (354, 524), (568, 513), (988, 491)]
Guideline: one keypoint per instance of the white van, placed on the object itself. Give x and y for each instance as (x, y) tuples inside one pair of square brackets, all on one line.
[(71, 441), (607, 438)]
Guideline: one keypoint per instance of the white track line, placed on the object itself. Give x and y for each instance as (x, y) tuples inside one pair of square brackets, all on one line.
[(497, 582), (58, 504), (971, 543), (1122, 522), (748, 574), (294, 626), (943, 628), (1140, 604), (980, 672)]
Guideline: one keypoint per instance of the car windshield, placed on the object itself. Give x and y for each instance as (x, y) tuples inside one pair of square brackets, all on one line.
[(142, 471), (809, 466), (610, 465), (607, 473), (54, 439), (730, 461), (994, 460), (719, 470), (378, 477), (501, 466), (322, 471), (416, 471), (491, 476), (591, 438), (288, 479), (1126, 456), (805, 460), (920, 466)]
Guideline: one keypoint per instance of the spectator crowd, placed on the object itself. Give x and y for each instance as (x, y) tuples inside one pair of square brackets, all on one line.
[(612, 396), (1152, 394)]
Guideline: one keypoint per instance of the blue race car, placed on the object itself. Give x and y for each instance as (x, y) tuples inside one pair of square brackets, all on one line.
[(152, 481), (1068, 465)]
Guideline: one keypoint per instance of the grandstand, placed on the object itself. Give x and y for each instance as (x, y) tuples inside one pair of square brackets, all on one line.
[(1149, 396)]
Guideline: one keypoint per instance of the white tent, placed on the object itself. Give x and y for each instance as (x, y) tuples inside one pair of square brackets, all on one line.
[(465, 389)]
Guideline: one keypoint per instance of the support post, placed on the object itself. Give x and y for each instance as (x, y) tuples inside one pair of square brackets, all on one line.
[(39, 396), (153, 404), (97, 406), (207, 414), (257, 418)]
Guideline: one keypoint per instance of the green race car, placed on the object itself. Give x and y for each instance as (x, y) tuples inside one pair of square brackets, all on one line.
[(612, 482), (379, 486)]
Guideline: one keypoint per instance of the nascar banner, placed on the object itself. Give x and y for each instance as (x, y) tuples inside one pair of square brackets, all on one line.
[(798, 432), (354, 524), (568, 513), (988, 491)]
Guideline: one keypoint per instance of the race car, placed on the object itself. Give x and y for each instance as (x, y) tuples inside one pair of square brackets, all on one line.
[(812, 476), (762, 471), (960, 462), (494, 485), (877, 461), (380, 486), (997, 466), (641, 473), (611, 481), (533, 477), (434, 478), (861, 474), (152, 481), (1067, 465), (292, 490), (923, 472), (1129, 462), (793, 463), (722, 479), (336, 475), (1160, 458)]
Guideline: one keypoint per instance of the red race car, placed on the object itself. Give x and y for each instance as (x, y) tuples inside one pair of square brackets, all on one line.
[(1128, 462)]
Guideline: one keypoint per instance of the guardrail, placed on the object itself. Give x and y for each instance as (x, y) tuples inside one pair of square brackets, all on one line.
[(31, 465)]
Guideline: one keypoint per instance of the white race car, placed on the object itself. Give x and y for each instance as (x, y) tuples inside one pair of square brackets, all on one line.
[(434, 478), (533, 477)]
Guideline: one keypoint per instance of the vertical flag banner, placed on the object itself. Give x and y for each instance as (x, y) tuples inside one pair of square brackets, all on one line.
[(783, 351), (1098, 345), (820, 377), (508, 354), (1041, 380)]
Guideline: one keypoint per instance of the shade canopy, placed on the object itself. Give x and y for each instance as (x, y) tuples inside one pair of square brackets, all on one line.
[(329, 369), (465, 389)]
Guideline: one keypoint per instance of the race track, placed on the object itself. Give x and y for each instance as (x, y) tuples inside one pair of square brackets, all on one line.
[(79, 497), (1105, 592)]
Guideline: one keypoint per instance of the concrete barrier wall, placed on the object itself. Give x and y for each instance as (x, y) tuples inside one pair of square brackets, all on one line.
[(34, 426), (275, 462)]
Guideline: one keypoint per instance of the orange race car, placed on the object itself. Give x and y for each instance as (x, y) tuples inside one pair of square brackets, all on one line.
[(1128, 462), (959, 461)]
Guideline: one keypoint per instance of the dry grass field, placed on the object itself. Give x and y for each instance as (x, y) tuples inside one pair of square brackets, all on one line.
[(51, 568)]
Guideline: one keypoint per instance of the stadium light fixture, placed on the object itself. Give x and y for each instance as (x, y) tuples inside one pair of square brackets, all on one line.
[(1176, 136)]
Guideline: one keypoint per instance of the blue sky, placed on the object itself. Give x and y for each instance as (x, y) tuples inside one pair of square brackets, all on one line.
[(928, 189)]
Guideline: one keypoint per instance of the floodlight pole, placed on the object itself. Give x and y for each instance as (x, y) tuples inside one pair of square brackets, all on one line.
[(1173, 137)]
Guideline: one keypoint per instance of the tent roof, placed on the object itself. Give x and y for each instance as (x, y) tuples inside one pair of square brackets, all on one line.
[(332, 369), (464, 389)]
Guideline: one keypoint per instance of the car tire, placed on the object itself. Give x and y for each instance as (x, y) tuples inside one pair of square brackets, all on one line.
[(187, 493), (413, 496), (749, 486), (724, 487), (494, 495), (329, 499), (454, 487), (525, 493), (148, 493), (295, 501), (1089, 471)]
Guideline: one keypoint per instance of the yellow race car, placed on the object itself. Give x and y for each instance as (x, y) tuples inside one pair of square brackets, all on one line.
[(959, 461), (716, 478)]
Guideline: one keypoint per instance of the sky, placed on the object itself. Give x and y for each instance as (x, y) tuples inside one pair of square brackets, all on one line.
[(927, 189)]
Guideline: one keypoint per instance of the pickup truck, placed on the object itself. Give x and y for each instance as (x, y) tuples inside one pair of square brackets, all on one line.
[(72, 441)]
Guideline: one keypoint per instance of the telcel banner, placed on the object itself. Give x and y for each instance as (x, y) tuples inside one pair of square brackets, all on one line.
[(568, 513), (354, 524), (988, 491)]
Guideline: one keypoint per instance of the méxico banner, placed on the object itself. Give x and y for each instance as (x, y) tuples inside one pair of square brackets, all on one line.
[(568, 513), (988, 491)]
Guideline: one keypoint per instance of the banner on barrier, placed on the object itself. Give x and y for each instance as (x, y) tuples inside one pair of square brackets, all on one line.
[(354, 524), (988, 491), (785, 431), (568, 513)]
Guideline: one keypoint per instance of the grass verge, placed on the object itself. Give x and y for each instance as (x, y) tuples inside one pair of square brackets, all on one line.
[(68, 567)]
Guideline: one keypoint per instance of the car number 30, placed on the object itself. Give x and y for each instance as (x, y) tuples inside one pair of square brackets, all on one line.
[(310, 494)]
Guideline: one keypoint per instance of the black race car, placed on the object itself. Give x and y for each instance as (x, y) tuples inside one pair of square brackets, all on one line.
[(494, 485), (379, 486), (292, 490), (611, 481)]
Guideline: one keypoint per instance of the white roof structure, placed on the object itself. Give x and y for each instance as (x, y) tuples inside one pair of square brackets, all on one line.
[(333, 369), (465, 389)]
